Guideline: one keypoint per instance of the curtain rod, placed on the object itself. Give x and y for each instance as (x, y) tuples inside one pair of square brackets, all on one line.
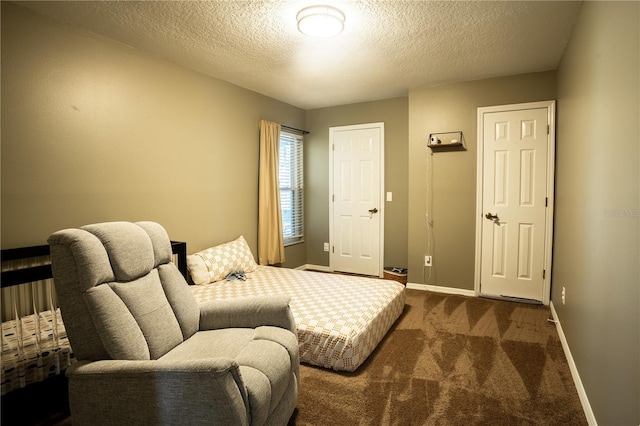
[(293, 129)]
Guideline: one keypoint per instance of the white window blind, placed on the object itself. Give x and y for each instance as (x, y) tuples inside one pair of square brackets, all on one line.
[(291, 181)]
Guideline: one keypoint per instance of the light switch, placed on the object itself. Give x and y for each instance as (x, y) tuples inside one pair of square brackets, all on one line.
[(389, 196)]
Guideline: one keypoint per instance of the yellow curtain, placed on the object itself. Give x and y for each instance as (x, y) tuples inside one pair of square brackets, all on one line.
[(270, 239)]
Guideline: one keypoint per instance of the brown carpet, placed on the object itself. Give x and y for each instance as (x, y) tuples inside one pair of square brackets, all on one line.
[(451, 360)]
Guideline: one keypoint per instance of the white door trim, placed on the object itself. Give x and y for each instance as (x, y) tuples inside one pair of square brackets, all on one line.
[(379, 126), (551, 142)]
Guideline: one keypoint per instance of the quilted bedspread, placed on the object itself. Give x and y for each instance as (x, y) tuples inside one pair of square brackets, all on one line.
[(340, 318)]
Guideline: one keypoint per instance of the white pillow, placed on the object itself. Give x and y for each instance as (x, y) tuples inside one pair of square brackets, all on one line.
[(215, 263)]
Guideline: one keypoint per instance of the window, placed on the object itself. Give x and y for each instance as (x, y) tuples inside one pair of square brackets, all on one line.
[(290, 175)]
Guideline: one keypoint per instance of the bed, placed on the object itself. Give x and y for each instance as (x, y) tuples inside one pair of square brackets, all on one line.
[(340, 319)]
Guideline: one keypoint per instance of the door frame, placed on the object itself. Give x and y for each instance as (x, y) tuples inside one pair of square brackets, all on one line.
[(332, 130), (551, 145)]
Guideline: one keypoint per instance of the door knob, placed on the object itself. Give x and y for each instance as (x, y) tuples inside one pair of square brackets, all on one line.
[(373, 210), (492, 217)]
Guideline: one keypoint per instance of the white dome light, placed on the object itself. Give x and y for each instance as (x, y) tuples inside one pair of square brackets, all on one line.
[(320, 21)]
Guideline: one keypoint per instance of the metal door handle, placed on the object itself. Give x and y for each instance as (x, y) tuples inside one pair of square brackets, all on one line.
[(373, 210), (492, 217)]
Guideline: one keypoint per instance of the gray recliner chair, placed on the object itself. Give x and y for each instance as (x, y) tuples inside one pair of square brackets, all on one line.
[(148, 353)]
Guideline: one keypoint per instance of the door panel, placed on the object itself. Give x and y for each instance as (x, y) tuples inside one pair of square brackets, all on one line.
[(514, 185), (499, 250)]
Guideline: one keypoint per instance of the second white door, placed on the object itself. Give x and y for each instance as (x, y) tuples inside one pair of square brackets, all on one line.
[(515, 166), (356, 185)]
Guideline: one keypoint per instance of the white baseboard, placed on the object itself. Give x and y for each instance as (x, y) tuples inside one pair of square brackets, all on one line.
[(438, 289), (308, 266), (582, 393)]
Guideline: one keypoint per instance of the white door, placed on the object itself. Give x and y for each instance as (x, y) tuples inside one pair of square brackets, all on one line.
[(514, 203), (356, 185)]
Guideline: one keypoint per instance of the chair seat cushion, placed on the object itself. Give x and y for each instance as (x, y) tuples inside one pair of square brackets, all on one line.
[(226, 342)]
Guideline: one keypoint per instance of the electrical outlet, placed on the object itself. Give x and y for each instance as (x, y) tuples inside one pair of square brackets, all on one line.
[(564, 295), (428, 261), (326, 246)]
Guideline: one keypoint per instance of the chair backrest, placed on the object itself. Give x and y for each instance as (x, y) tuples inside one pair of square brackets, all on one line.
[(120, 295)]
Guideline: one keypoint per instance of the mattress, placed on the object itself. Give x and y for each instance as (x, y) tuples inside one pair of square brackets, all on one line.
[(340, 319)]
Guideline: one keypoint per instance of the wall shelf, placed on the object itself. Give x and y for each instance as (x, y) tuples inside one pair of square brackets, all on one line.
[(447, 141)]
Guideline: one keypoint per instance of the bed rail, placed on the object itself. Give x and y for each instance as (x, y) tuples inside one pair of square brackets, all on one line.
[(43, 272)]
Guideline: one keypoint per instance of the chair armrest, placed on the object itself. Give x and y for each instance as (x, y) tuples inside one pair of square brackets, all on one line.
[(216, 367), (247, 312), (157, 392)]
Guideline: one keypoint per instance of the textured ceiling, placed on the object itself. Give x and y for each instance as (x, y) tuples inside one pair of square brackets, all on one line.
[(387, 47)]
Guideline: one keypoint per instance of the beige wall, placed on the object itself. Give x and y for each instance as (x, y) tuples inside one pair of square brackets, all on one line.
[(95, 131), (394, 114), (596, 253), (448, 179)]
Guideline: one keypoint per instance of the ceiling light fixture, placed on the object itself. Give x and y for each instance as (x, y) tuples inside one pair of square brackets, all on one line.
[(320, 21)]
